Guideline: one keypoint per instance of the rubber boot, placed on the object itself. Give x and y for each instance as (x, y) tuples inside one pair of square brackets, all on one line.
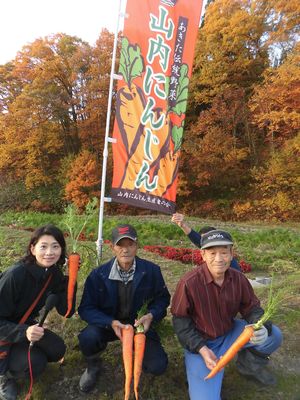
[(89, 377), (8, 388), (252, 363)]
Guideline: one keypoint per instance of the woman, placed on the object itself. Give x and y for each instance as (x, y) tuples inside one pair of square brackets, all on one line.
[(24, 288)]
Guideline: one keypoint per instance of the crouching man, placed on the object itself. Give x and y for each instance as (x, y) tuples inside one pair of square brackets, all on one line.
[(113, 295), (204, 307)]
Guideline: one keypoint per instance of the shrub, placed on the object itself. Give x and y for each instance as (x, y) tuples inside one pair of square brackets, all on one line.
[(15, 196)]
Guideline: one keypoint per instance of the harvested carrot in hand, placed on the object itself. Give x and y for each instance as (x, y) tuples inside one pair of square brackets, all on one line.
[(74, 262), (127, 351), (139, 347), (244, 338), (75, 229), (139, 350)]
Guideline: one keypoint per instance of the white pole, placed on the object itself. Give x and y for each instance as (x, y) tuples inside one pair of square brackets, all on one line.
[(99, 242)]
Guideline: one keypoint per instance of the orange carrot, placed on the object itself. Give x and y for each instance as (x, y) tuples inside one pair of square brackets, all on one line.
[(139, 350), (73, 262), (244, 338), (127, 350)]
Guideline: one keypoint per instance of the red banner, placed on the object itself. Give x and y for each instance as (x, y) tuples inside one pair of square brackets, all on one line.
[(155, 64)]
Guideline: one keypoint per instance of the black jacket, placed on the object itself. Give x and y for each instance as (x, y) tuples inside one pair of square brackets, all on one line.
[(19, 287)]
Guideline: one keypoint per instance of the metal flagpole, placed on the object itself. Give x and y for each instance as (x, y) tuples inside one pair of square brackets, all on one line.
[(107, 140)]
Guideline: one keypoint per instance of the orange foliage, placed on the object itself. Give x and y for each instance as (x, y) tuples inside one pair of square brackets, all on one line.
[(214, 150), (84, 180), (228, 51), (276, 103), (240, 154)]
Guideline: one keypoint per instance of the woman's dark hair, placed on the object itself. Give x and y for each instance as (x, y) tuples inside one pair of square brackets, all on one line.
[(50, 230), (206, 229)]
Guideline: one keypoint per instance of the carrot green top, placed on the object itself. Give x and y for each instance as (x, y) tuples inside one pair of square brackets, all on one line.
[(142, 311), (131, 61)]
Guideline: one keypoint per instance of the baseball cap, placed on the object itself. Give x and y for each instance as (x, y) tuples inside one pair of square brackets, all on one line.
[(123, 231), (216, 238)]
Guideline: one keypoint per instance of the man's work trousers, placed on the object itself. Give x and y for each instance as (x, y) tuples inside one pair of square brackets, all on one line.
[(196, 370), (93, 339)]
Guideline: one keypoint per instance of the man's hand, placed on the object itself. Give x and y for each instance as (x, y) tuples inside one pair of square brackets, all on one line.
[(179, 220), (34, 333), (145, 320), (260, 336), (117, 327), (209, 357)]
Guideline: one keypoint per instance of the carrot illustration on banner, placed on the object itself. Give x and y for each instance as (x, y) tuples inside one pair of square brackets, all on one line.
[(130, 102), (135, 135)]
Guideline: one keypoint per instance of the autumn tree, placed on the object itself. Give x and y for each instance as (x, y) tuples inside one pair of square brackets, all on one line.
[(275, 193), (228, 51), (10, 86), (92, 128), (214, 153), (53, 99), (83, 179), (276, 102), (282, 27), (40, 126), (240, 150)]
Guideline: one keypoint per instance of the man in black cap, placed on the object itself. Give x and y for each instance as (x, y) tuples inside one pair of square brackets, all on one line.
[(113, 295), (204, 307)]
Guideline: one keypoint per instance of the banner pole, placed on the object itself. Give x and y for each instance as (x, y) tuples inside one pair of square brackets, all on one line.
[(99, 243)]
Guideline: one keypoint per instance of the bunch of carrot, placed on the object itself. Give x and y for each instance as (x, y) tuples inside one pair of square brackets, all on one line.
[(133, 348), (247, 333), (133, 361)]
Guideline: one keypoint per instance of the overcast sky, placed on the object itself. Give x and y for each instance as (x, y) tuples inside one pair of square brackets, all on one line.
[(23, 21)]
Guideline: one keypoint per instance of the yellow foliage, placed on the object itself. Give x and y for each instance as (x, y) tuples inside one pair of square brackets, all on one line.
[(242, 210), (276, 103)]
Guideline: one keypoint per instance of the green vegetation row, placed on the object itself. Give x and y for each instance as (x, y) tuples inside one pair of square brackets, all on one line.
[(275, 249)]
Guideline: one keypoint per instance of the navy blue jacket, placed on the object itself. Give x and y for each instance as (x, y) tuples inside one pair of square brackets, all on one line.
[(99, 303)]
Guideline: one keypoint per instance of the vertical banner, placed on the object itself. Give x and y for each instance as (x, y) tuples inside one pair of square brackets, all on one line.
[(155, 68)]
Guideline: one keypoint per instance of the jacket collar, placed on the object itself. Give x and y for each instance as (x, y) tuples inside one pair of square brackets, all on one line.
[(40, 273), (140, 271), (208, 277)]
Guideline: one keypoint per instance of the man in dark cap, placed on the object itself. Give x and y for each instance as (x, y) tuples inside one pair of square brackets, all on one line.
[(113, 295), (204, 307)]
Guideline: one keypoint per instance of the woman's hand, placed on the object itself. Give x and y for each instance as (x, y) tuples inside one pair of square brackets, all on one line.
[(34, 333)]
